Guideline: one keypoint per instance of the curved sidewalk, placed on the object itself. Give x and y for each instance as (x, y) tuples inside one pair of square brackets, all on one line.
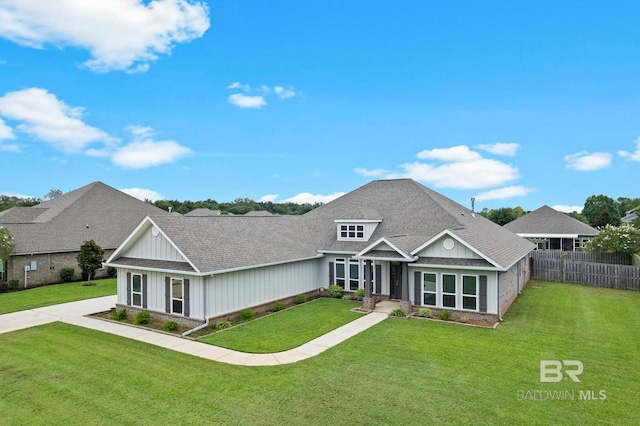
[(74, 313)]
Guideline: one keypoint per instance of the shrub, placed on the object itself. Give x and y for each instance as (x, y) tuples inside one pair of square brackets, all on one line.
[(4, 286), (464, 320), (397, 313), (221, 325), (170, 325), (141, 318), (66, 274), (424, 312), (335, 291), (246, 315), (119, 314), (346, 297), (359, 294), (301, 298), (278, 306), (444, 315), (112, 272), (14, 284)]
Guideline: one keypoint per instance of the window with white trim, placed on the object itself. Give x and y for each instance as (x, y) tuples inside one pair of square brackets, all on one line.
[(429, 288), (351, 232), (354, 274), (448, 290), (177, 296), (341, 272), (470, 292), (347, 273), (136, 290)]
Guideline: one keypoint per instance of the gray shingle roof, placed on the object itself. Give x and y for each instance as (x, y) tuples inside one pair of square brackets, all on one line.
[(60, 225), (548, 221), (411, 215)]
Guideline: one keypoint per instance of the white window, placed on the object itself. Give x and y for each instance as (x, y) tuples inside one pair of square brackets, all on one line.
[(347, 274), (351, 232), (177, 295), (470, 292), (448, 291), (341, 272), (136, 290), (429, 288), (354, 274)]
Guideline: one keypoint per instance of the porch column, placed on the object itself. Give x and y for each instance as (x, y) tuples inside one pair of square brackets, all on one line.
[(405, 304), (368, 302)]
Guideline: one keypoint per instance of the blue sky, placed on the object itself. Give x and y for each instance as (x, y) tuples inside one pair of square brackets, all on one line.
[(509, 102)]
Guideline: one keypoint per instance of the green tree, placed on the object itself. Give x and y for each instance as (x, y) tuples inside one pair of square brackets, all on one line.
[(595, 205), (578, 216), (616, 239), (6, 243), (53, 193), (625, 204), (502, 215), (90, 258)]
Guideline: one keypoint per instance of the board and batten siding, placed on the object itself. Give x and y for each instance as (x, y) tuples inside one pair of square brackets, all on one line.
[(156, 290), (492, 285), (149, 246), (459, 251), (234, 291)]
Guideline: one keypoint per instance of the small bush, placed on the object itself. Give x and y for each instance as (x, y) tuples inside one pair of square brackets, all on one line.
[(66, 274), (14, 284), (347, 297), (464, 320), (397, 313), (142, 318), (221, 325), (359, 294), (4, 286), (301, 298), (119, 314), (111, 272), (170, 325), (444, 315), (246, 315), (278, 306), (335, 291), (424, 312)]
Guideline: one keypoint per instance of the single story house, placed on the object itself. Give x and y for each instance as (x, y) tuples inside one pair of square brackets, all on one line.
[(396, 239), (48, 236), (550, 229)]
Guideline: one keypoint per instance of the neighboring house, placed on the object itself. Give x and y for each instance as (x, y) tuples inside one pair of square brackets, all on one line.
[(396, 239), (630, 215), (48, 236), (550, 229)]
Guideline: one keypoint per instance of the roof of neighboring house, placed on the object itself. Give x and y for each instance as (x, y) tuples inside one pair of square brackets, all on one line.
[(409, 213), (203, 212), (630, 215), (258, 213), (95, 211), (547, 221)]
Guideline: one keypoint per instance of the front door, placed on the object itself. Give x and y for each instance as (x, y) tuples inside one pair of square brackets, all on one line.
[(395, 281)]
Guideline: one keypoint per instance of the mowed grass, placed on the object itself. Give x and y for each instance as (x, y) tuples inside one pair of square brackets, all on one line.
[(286, 329), (400, 371), (54, 294)]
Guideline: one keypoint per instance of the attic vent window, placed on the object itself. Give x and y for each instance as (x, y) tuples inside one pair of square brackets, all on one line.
[(352, 232), (448, 244)]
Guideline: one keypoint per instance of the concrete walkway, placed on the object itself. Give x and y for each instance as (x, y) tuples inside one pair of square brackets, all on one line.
[(74, 313)]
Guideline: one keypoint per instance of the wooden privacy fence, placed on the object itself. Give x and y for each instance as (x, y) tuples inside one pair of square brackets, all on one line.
[(583, 256), (622, 277)]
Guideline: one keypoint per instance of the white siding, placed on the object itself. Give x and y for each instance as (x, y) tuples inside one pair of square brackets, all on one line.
[(150, 247), (235, 291), (459, 250), (492, 286)]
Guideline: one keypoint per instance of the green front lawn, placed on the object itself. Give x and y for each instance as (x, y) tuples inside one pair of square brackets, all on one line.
[(55, 294), (397, 372), (286, 329)]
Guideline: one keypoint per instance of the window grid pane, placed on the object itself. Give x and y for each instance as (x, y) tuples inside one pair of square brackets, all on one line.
[(469, 285), (448, 283)]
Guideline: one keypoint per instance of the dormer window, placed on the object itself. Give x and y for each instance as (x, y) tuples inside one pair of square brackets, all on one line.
[(352, 232)]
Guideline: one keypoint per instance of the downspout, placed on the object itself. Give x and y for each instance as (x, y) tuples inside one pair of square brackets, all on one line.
[(498, 282), (204, 311)]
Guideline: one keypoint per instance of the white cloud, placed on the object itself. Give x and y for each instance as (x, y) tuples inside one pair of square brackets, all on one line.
[(268, 198), (482, 173), (503, 193), (585, 162), (45, 117), (245, 101), (453, 154), (370, 173), (238, 85), (567, 209), (284, 93), (6, 132), (500, 148), (306, 197), (119, 34), (633, 156), (10, 147), (144, 152), (143, 194), (15, 194)]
